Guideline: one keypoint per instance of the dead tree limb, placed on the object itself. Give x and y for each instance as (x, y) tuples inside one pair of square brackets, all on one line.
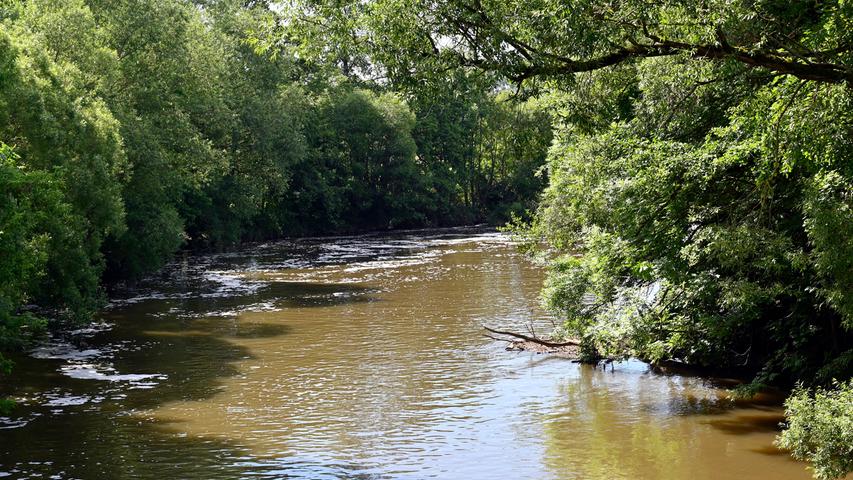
[(533, 339), (498, 338)]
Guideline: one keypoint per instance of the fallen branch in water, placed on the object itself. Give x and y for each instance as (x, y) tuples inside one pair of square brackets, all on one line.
[(499, 339), (573, 343)]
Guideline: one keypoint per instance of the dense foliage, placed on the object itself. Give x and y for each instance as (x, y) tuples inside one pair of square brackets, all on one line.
[(713, 248), (133, 128), (700, 201), (820, 429)]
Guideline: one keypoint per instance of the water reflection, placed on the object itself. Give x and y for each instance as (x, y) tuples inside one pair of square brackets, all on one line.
[(630, 423), (361, 357)]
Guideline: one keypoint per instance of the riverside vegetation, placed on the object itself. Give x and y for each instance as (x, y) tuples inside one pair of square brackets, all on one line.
[(697, 156), (131, 129)]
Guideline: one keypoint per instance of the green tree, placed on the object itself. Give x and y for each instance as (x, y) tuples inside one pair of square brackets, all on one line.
[(369, 138), (513, 141), (176, 120), (549, 39), (43, 247), (58, 127)]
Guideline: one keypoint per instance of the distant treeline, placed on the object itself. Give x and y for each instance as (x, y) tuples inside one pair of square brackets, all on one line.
[(132, 128)]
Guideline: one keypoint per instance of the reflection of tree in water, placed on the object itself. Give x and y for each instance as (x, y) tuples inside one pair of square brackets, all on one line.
[(609, 438), (109, 440), (645, 426)]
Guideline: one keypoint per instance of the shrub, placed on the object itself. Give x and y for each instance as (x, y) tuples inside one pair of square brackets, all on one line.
[(820, 429)]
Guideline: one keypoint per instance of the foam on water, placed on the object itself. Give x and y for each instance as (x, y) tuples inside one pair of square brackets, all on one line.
[(86, 363)]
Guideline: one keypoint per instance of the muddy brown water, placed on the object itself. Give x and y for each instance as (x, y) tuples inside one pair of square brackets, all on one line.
[(361, 357)]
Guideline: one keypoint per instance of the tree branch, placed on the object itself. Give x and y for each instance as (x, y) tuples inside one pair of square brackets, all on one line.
[(533, 339), (538, 62)]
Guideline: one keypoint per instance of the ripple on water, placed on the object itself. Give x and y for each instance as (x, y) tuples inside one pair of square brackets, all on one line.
[(362, 357)]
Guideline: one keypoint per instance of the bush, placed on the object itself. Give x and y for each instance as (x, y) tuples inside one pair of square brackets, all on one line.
[(820, 429)]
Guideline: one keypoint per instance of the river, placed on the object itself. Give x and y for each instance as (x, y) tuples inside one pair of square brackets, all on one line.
[(361, 357)]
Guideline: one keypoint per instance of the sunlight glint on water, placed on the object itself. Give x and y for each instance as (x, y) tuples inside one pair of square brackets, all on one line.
[(361, 357)]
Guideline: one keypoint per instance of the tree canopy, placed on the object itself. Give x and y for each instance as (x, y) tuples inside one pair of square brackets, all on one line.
[(693, 157)]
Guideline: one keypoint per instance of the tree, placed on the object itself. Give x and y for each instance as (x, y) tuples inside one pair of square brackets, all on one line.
[(44, 251), (552, 39), (61, 129), (369, 139)]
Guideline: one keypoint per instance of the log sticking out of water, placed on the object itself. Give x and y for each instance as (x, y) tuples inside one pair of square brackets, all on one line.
[(546, 343), (523, 343)]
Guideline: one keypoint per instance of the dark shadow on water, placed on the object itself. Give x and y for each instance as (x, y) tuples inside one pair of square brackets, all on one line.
[(772, 451), (686, 403), (117, 448), (748, 424), (325, 301), (110, 436), (306, 294)]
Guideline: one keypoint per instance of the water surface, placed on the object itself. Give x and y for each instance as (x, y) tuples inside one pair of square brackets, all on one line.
[(361, 357)]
